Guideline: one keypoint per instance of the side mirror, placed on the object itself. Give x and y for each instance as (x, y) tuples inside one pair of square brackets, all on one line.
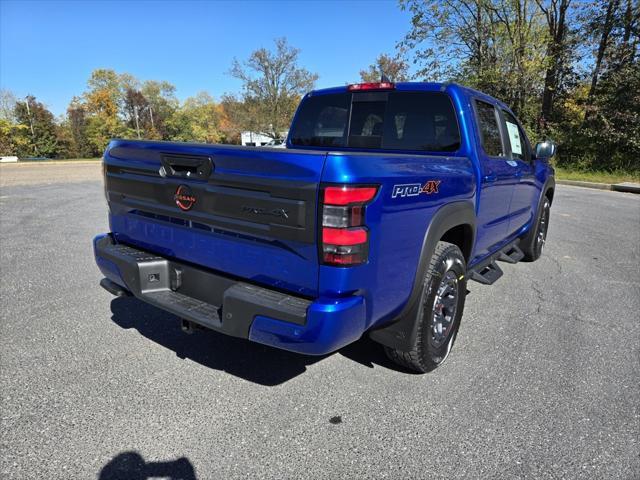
[(546, 149)]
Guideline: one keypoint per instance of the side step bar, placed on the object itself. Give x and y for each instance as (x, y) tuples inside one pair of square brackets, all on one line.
[(488, 275), (514, 255), (488, 271)]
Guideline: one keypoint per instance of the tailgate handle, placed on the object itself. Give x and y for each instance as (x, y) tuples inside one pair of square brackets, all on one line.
[(186, 166)]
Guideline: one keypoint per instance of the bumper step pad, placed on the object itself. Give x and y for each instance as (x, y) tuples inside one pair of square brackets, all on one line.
[(199, 296), (199, 312)]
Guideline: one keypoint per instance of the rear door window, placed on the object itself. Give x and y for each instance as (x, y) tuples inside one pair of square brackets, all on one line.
[(404, 121), (489, 129), (421, 121), (322, 121)]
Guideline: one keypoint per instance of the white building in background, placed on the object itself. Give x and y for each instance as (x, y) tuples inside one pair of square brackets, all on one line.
[(254, 139)]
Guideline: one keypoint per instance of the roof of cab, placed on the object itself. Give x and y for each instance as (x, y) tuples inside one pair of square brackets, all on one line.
[(422, 87)]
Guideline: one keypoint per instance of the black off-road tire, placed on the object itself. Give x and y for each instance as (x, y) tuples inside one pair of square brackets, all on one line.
[(532, 244), (431, 348)]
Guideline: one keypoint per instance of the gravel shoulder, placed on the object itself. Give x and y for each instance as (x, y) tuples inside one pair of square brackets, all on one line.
[(49, 173)]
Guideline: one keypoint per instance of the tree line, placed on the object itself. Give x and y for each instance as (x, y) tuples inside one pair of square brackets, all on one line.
[(568, 68), (118, 105)]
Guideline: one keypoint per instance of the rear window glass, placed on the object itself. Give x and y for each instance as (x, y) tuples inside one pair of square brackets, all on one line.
[(489, 129), (411, 121)]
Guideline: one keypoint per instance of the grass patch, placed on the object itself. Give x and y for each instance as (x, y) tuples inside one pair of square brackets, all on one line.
[(563, 173)]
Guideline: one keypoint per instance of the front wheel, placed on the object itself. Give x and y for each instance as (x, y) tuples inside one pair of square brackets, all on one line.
[(532, 243), (441, 304)]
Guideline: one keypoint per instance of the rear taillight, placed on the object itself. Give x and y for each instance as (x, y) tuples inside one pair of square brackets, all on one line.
[(345, 238)]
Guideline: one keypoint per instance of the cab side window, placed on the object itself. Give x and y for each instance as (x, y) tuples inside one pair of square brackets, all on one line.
[(489, 129), (517, 138)]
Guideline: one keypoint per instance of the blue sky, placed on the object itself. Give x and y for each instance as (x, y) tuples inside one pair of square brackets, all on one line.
[(49, 48)]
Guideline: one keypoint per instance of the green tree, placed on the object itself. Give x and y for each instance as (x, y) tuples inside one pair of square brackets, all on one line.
[(522, 39), (198, 120), (272, 84), (559, 45), (162, 104), (497, 46), (39, 121), (613, 128), (446, 38), (14, 139), (604, 134)]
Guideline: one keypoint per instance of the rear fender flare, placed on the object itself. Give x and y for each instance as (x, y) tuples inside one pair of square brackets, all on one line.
[(401, 332), (549, 184)]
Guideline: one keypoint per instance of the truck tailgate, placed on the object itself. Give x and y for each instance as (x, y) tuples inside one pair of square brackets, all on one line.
[(246, 212)]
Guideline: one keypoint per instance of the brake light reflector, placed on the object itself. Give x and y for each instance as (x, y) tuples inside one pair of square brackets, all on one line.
[(344, 237), (357, 87), (347, 195)]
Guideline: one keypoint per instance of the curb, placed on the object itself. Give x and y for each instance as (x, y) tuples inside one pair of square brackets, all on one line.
[(626, 187), (577, 183)]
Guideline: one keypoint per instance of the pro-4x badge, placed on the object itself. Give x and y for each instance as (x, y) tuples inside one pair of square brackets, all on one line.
[(415, 189)]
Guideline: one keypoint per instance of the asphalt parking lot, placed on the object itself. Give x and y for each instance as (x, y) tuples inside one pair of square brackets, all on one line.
[(544, 380)]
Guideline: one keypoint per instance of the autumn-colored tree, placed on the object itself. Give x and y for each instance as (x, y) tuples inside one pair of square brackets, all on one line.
[(76, 123), (103, 102), (135, 108), (395, 68)]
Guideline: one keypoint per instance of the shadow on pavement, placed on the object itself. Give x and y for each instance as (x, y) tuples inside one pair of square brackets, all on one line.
[(131, 466), (242, 358), (369, 353)]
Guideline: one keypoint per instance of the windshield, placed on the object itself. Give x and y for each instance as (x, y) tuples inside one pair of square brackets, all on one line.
[(411, 121)]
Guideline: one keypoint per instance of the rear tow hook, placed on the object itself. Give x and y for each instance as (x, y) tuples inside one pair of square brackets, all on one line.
[(189, 327)]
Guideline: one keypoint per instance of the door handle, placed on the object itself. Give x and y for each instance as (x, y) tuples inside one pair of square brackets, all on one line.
[(186, 166), (518, 173), (490, 178)]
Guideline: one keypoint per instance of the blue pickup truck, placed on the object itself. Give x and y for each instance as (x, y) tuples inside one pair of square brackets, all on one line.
[(386, 201)]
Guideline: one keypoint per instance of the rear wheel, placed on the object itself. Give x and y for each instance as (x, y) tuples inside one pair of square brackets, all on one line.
[(532, 243), (441, 305)]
